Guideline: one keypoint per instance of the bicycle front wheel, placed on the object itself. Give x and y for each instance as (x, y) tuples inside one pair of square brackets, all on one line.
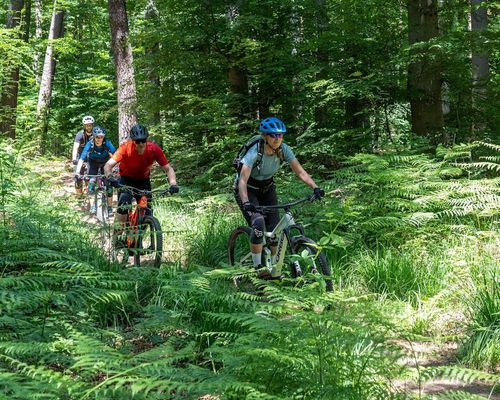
[(313, 260), (149, 246), (238, 249), (102, 207)]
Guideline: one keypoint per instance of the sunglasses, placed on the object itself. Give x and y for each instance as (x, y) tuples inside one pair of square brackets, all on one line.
[(275, 135), (140, 141)]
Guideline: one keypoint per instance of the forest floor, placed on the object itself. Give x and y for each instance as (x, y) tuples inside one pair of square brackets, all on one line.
[(421, 354)]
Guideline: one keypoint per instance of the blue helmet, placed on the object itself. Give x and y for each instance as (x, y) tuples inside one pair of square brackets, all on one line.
[(272, 125), (98, 131)]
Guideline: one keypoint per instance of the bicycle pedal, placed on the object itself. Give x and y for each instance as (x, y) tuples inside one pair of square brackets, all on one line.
[(265, 274)]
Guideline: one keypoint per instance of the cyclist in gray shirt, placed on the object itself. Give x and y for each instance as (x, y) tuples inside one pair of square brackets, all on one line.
[(254, 184)]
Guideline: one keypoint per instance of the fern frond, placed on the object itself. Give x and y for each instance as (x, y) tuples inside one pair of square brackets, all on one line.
[(457, 373), (480, 165)]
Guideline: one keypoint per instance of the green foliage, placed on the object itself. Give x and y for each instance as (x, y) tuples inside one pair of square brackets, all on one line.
[(407, 276), (482, 347)]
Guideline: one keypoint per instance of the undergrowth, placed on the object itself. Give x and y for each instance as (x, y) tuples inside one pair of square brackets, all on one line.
[(407, 230)]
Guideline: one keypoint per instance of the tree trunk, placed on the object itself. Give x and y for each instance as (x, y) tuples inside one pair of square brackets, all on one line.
[(38, 36), (49, 66), (27, 20), (480, 64), (424, 71), (124, 69), (10, 87), (238, 86), (237, 75), (320, 110)]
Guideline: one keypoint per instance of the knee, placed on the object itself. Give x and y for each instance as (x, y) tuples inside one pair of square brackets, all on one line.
[(124, 202), (257, 236)]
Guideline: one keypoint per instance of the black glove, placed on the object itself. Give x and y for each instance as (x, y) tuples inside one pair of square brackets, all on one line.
[(318, 193), (173, 189), (75, 162), (249, 207), (77, 176), (112, 182)]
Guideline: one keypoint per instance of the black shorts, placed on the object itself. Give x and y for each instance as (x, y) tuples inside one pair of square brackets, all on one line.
[(125, 195), (264, 196)]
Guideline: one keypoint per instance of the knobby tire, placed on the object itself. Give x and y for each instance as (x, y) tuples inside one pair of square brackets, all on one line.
[(151, 231), (320, 262)]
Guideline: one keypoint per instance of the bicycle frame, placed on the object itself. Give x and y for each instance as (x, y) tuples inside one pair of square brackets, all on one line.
[(282, 232), (135, 218)]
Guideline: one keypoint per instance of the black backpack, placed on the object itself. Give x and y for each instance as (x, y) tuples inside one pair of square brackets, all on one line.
[(255, 140)]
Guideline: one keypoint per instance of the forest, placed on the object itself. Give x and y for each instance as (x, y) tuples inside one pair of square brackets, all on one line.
[(391, 106)]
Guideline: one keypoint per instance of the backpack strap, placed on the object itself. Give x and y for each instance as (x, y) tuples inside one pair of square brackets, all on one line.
[(260, 153)]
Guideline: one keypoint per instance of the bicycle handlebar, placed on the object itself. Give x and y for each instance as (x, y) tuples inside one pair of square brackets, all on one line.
[(286, 206), (141, 192)]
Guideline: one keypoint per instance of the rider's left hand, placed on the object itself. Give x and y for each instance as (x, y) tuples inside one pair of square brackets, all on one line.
[(318, 193), (173, 189)]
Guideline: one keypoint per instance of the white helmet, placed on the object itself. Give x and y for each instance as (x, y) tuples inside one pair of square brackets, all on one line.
[(88, 119)]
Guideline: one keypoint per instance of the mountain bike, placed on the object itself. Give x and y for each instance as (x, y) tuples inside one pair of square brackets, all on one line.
[(143, 237), (100, 197), (305, 257)]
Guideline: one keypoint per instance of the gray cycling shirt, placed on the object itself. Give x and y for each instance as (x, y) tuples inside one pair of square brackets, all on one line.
[(269, 165)]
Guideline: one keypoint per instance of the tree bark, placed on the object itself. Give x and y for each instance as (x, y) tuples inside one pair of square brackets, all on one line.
[(38, 36), (124, 69), (49, 66), (320, 110), (10, 87), (237, 75), (480, 63), (424, 71), (27, 20)]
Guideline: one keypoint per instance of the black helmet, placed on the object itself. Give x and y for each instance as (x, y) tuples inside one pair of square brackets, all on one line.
[(138, 132)]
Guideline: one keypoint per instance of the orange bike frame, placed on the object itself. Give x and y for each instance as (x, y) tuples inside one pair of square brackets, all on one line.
[(133, 220)]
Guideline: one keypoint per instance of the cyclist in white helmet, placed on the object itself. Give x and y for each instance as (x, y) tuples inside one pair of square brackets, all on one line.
[(81, 139)]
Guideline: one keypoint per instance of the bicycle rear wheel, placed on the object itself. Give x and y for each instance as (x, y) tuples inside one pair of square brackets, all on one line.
[(238, 249), (315, 260), (149, 246)]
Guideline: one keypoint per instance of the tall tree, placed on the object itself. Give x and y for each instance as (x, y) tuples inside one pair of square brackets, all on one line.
[(237, 74), (320, 110), (38, 36), (49, 66), (8, 101), (124, 69), (424, 70), (480, 61)]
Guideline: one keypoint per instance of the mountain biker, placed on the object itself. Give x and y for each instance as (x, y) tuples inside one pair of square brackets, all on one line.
[(81, 139), (254, 185), (96, 152), (136, 157)]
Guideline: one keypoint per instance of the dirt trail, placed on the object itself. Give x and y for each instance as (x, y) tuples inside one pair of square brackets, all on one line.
[(429, 354)]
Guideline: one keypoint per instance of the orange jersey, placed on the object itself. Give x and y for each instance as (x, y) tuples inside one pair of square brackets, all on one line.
[(137, 166)]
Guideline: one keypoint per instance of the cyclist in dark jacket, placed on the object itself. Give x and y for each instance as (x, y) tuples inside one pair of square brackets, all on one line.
[(255, 186), (97, 152), (81, 139)]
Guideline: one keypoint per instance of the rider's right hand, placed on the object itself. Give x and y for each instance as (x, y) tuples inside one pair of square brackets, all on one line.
[(77, 176), (112, 182), (249, 207)]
